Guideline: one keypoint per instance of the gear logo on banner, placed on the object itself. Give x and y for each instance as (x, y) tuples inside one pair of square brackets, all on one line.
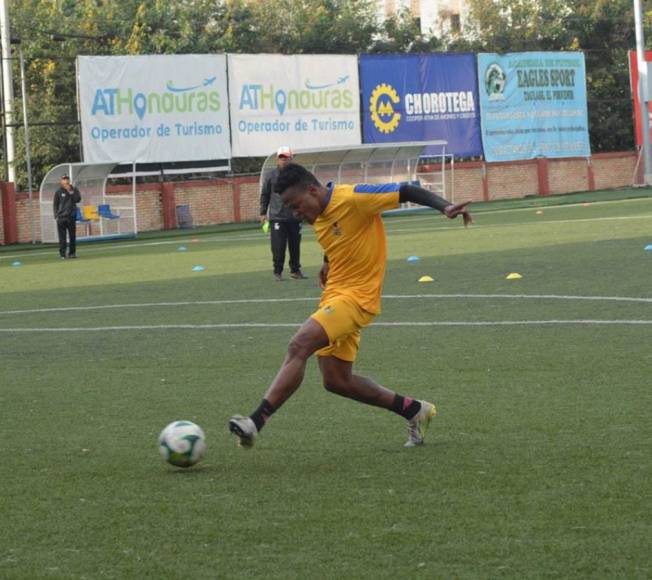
[(494, 82), (382, 104)]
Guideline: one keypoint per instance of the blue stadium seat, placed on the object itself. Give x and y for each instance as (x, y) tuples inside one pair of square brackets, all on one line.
[(104, 211)]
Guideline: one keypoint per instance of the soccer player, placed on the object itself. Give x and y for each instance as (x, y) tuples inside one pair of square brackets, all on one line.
[(349, 228)]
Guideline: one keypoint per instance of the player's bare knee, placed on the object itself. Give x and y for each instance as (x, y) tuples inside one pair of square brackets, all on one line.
[(331, 387), (335, 384), (300, 349)]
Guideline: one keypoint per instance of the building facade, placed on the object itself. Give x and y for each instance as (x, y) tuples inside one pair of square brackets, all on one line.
[(438, 17)]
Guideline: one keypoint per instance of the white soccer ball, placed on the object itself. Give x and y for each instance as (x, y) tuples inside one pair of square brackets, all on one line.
[(182, 443)]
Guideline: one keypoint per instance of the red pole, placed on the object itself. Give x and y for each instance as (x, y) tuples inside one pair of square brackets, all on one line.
[(236, 201), (485, 183), (168, 204), (590, 174), (9, 214), (542, 176)]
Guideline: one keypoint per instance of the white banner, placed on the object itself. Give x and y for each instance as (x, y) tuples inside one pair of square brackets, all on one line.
[(154, 108), (301, 101)]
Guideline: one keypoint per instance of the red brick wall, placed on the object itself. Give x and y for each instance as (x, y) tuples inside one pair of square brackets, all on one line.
[(520, 178), (211, 202), (467, 182), (23, 218), (567, 175), (237, 198), (148, 210), (510, 180), (614, 169), (249, 200)]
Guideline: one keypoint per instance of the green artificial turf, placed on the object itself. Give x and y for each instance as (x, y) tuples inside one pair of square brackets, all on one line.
[(538, 465)]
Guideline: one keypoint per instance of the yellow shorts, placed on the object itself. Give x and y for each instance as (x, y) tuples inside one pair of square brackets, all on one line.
[(342, 319)]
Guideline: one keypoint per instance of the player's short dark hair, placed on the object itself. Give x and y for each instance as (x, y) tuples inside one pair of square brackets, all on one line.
[(293, 174)]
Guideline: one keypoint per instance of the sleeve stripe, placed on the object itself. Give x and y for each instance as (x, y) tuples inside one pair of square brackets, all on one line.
[(376, 188)]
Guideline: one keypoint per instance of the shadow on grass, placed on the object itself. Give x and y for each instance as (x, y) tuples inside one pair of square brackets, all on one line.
[(203, 470)]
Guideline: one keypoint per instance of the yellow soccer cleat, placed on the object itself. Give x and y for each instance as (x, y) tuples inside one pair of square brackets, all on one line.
[(418, 425)]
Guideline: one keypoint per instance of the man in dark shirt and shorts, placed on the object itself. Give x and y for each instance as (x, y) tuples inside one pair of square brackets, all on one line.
[(285, 228), (66, 199)]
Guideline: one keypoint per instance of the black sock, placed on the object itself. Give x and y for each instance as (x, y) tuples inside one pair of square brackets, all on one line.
[(264, 411), (406, 407)]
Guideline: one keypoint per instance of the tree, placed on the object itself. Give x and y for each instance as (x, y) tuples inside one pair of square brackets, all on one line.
[(602, 29), (518, 25), (164, 27)]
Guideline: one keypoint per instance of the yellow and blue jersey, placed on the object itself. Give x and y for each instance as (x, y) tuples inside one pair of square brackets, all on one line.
[(351, 232)]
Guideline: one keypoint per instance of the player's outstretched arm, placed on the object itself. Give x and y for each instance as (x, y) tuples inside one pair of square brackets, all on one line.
[(421, 196)]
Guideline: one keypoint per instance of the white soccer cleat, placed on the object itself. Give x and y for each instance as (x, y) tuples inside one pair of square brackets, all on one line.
[(418, 425), (244, 429)]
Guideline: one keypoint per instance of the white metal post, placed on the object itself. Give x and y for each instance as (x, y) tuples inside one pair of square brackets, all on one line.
[(8, 89), (133, 196), (28, 154)]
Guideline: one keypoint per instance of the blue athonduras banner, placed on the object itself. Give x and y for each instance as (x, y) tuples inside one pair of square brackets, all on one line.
[(421, 97), (533, 104)]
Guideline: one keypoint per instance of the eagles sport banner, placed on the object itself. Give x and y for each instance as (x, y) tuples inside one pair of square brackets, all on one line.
[(422, 97), (533, 104), (303, 101), (154, 108)]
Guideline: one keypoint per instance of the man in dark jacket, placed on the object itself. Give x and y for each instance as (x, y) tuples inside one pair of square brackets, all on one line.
[(66, 199), (285, 227)]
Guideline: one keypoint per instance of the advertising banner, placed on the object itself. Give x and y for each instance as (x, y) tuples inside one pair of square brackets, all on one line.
[(533, 104), (303, 101), (422, 97), (153, 108)]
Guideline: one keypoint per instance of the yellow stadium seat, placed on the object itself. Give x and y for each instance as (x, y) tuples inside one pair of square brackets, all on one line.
[(90, 213)]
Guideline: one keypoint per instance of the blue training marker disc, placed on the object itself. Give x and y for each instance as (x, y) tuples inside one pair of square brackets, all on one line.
[(198, 268), (413, 258), (16, 264), (182, 249)]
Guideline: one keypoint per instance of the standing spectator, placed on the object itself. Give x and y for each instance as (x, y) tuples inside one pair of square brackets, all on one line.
[(66, 199), (285, 227)]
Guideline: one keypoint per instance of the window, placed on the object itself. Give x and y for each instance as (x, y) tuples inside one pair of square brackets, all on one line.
[(456, 25)]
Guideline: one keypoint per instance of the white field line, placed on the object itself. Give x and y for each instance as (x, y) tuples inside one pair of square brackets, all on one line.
[(126, 245), (518, 224), (316, 299), (226, 326), (521, 297), (160, 304), (545, 207), (261, 238), (258, 237)]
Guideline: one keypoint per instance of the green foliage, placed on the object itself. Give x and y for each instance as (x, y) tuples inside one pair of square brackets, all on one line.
[(163, 27), (602, 29)]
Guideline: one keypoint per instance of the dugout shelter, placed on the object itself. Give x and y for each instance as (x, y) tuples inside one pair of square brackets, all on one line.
[(377, 163), (102, 213)]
